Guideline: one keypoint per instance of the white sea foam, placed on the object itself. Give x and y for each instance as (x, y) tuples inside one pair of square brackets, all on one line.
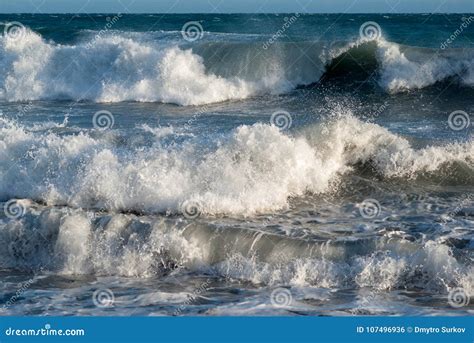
[(122, 67), (403, 68), (74, 242), (254, 170), (115, 68)]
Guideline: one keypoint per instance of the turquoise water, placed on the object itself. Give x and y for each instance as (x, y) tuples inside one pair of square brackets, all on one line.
[(285, 164)]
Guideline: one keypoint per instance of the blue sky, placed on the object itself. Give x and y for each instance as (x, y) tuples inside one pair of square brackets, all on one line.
[(225, 6)]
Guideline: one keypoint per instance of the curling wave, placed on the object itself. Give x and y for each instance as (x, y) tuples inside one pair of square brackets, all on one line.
[(254, 169), (74, 242), (121, 67)]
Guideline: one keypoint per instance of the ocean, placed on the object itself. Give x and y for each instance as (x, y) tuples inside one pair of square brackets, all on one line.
[(236, 164)]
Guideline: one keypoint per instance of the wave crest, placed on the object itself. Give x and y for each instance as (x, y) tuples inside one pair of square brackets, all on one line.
[(119, 67), (255, 169)]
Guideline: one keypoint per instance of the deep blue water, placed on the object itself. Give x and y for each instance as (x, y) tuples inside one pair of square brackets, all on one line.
[(286, 164)]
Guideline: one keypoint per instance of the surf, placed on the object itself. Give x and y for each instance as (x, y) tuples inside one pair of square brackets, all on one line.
[(252, 169), (118, 66)]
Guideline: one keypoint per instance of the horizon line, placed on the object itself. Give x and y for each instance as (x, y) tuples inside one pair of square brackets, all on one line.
[(214, 13)]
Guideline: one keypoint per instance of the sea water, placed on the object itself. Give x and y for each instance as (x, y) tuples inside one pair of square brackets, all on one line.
[(287, 164)]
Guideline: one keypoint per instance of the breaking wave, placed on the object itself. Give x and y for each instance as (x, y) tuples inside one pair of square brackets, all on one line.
[(122, 67), (253, 169), (68, 241)]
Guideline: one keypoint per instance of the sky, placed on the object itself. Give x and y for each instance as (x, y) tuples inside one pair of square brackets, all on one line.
[(232, 6)]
